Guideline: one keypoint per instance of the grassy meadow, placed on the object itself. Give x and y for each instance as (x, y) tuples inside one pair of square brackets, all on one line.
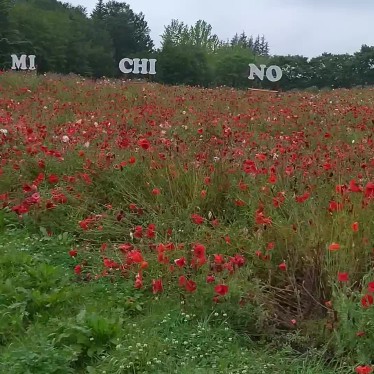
[(155, 229)]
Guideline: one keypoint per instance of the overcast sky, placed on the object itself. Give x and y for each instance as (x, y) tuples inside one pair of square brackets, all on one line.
[(304, 27)]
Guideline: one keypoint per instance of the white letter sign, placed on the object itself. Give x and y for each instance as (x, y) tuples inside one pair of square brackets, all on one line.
[(21, 63), (137, 66), (273, 72), (122, 65), (253, 69), (140, 64), (270, 73)]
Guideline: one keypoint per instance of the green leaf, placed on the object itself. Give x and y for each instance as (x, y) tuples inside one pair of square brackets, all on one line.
[(43, 230), (91, 351), (81, 316), (139, 307)]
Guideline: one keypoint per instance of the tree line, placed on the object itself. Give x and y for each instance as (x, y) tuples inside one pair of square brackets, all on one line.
[(66, 39)]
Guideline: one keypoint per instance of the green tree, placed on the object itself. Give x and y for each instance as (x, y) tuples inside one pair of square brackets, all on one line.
[(180, 65), (296, 71), (364, 66), (199, 35), (5, 6), (187, 54), (129, 32), (231, 66), (175, 34), (99, 11), (100, 55), (47, 26), (334, 71), (259, 46)]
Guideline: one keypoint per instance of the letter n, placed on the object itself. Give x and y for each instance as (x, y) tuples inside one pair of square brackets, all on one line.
[(254, 70)]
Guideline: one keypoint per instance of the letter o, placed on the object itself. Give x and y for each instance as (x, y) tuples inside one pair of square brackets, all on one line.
[(270, 75)]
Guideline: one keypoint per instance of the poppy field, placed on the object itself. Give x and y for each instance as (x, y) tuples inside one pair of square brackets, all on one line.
[(252, 212)]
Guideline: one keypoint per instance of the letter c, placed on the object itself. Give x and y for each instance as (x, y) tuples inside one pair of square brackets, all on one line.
[(122, 65)]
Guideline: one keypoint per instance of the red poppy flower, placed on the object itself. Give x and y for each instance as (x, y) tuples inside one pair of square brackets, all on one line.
[(355, 226), (335, 207), (157, 286), (219, 259), (124, 248), (334, 247), (367, 300), (151, 231), (215, 223), (341, 189), (221, 289), (180, 262), (197, 219), (78, 269), (261, 219), (144, 143), (328, 304), (343, 277), (73, 253), (238, 260), (282, 266), (190, 286), (135, 256), (243, 186), (86, 178), (239, 202), (138, 281), (371, 287), (182, 281), (53, 179), (302, 198), (272, 179), (210, 279), (199, 250), (369, 190), (354, 187), (260, 156), (138, 233), (111, 264), (366, 369)]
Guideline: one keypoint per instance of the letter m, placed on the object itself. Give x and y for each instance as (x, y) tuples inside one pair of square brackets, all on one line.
[(19, 63)]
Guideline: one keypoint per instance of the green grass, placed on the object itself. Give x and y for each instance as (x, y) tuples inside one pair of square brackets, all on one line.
[(52, 323)]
